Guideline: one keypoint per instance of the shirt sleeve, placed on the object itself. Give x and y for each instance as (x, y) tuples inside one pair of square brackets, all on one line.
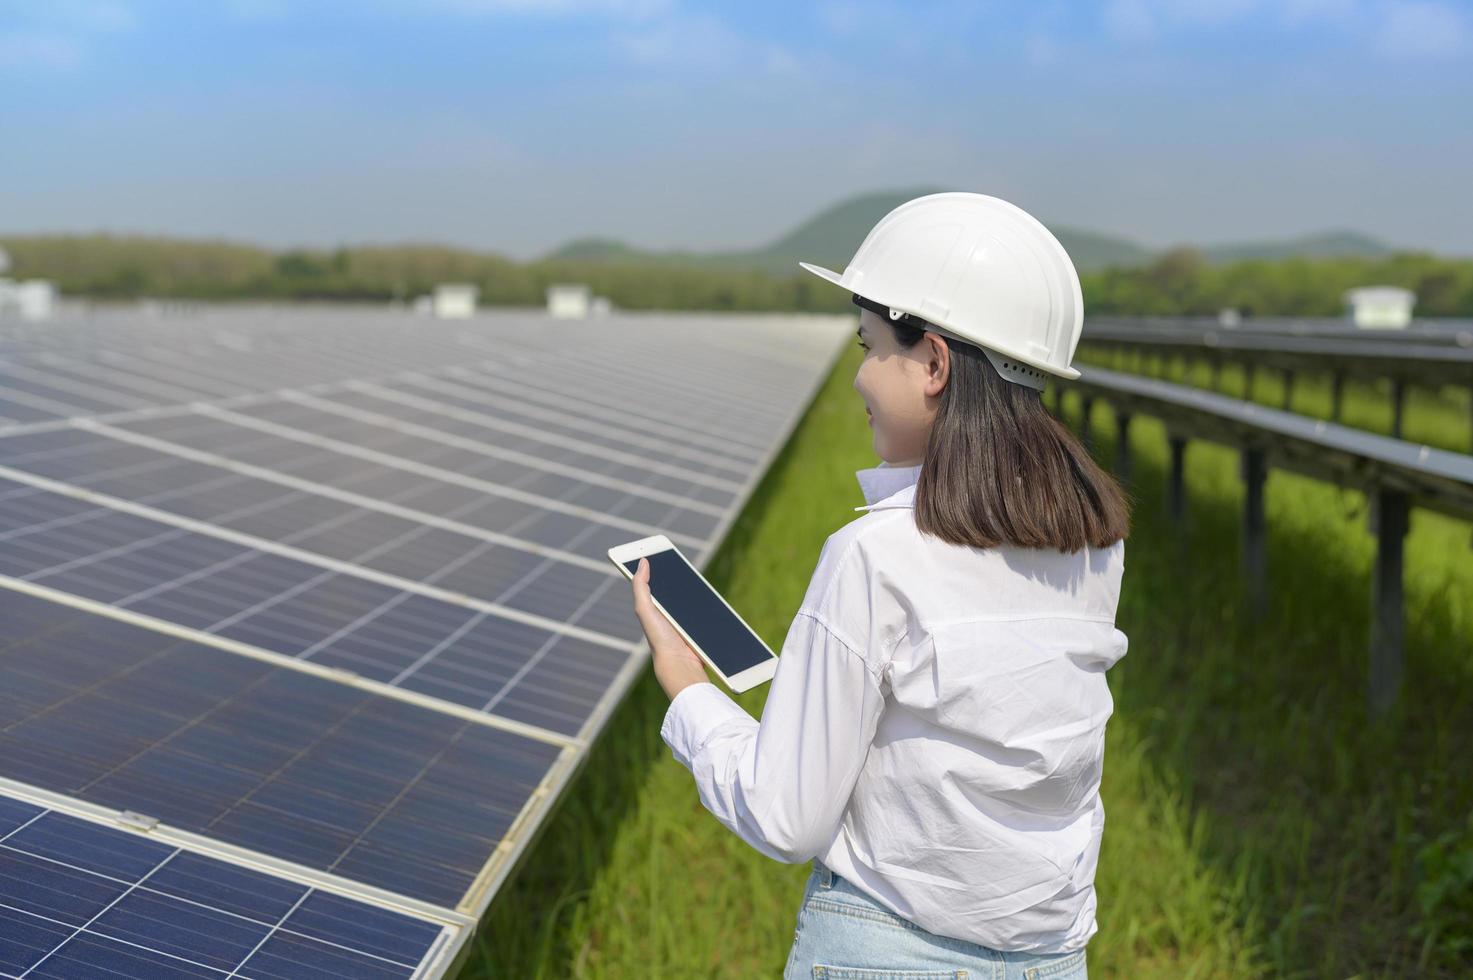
[(783, 784)]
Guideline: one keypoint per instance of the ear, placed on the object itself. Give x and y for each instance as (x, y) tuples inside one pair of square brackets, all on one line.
[(938, 364)]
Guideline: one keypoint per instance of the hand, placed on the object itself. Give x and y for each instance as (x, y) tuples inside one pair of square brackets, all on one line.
[(677, 666)]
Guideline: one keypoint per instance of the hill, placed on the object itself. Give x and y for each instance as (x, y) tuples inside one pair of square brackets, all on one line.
[(1325, 245), (831, 236)]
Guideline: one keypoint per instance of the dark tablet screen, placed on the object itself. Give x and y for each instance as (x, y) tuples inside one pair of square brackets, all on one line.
[(692, 603)]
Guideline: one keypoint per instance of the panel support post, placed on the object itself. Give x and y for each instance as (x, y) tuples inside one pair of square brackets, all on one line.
[(1288, 388), (1398, 397), (1254, 558), (1085, 435), (1122, 446), (1337, 395), (1389, 521), (1176, 484)]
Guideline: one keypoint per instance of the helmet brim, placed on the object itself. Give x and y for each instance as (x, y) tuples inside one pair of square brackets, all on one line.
[(834, 277)]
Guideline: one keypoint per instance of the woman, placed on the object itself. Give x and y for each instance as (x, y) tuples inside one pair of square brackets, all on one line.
[(934, 735)]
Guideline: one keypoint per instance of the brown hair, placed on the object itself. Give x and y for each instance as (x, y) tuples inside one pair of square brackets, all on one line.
[(999, 469)]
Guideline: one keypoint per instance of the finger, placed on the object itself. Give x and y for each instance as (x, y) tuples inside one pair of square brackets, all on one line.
[(640, 584), (641, 579)]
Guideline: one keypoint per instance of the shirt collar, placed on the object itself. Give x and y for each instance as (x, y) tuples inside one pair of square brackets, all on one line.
[(887, 486)]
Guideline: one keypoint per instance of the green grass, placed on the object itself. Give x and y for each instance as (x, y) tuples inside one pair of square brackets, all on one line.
[(1257, 823)]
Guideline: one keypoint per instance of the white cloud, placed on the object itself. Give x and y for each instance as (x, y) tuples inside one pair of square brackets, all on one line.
[(1205, 11), (1042, 51), (1130, 20), (94, 15), (56, 37), (1295, 12), (843, 16), (1137, 20), (622, 9), (29, 52), (255, 10), (1422, 31), (70, 16), (704, 43)]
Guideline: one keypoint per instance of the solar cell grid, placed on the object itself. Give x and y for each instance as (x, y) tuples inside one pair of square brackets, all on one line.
[(470, 422), (281, 604), (77, 402), (81, 899), (616, 399), (77, 372), (588, 402), (715, 402), (18, 411), (454, 486), (109, 465), (438, 447), (439, 402), (262, 756)]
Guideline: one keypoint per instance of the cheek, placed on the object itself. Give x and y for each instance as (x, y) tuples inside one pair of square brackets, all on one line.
[(882, 390)]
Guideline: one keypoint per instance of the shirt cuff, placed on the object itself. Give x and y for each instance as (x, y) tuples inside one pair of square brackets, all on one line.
[(694, 713)]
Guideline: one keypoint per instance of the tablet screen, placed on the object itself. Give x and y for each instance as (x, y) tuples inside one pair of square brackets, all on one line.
[(692, 603)]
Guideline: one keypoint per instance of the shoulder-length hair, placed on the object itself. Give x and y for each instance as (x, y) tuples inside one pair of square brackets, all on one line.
[(1000, 469)]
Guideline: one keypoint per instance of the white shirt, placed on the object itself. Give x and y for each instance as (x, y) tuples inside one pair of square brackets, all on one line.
[(934, 731)]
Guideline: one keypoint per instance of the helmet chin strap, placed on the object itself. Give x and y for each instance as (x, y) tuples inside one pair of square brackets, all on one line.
[(1011, 370)]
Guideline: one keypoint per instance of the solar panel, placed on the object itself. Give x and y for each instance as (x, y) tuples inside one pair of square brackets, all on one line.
[(289, 764), (487, 386), (427, 462), (469, 411), (470, 479), (79, 898), (464, 655), (327, 591), (212, 490)]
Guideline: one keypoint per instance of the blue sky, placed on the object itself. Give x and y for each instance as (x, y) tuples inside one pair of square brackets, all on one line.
[(516, 125)]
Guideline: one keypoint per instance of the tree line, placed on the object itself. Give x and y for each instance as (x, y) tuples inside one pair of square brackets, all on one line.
[(1179, 282)]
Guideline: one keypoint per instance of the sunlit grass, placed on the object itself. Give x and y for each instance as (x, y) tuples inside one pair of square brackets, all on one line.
[(1257, 823)]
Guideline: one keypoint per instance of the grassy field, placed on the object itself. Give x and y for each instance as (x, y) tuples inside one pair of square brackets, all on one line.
[(1258, 824)]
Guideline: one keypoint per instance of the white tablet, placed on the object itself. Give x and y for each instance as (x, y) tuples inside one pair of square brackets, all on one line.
[(699, 613)]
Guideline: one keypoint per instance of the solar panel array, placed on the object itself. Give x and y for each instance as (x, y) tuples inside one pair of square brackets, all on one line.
[(306, 616)]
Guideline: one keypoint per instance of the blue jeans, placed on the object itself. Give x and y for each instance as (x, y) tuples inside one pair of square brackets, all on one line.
[(843, 934)]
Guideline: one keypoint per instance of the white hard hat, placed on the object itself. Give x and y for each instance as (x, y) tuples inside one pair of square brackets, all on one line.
[(978, 270)]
